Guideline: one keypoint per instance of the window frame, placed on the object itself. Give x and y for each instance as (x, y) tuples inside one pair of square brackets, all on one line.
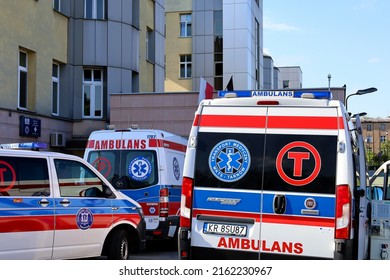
[(55, 80), (187, 66), (22, 69), (57, 5), (185, 25), (94, 14), (93, 85)]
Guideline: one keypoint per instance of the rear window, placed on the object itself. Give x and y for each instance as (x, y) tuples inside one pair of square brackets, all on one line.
[(135, 168), (289, 163), (20, 176)]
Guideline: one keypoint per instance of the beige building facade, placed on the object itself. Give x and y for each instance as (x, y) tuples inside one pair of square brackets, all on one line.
[(376, 132), (33, 41)]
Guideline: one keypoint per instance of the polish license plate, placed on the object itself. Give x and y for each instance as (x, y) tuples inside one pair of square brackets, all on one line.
[(224, 229)]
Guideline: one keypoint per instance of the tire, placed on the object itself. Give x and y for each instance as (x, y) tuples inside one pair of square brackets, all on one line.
[(119, 246)]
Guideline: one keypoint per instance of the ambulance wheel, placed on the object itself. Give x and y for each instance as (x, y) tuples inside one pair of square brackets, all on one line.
[(119, 246)]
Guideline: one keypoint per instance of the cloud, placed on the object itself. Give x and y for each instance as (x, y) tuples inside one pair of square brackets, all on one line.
[(373, 60), (280, 26), (365, 4)]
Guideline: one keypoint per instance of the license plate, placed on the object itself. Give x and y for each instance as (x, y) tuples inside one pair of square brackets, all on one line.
[(224, 229)]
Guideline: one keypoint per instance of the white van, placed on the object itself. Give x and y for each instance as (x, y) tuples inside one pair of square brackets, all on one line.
[(380, 213), (57, 206), (146, 165), (274, 175)]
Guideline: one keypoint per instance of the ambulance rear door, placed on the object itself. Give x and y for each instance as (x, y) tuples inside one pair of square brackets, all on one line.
[(264, 183), (298, 203), (226, 206)]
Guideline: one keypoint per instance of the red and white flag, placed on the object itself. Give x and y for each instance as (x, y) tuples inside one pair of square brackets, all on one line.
[(205, 90)]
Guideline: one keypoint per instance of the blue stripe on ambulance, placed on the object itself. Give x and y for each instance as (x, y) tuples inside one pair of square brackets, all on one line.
[(251, 202)]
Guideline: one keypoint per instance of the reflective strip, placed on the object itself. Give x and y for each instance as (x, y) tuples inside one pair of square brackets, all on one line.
[(271, 122)]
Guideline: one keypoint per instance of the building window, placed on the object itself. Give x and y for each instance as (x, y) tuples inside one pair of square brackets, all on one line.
[(286, 84), (185, 25), (22, 78), (55, 89), (218, 50), (150, 45), (382, 127), (369, 127), (185, 66), (257, 48), (94, 9), (93, 93), (383, 138), (57, 5)]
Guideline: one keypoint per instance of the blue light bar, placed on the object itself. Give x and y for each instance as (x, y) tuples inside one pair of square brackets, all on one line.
[(29, 145), (277, 93)]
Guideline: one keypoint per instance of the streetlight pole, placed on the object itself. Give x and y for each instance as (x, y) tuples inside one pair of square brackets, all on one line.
[(359, 92)]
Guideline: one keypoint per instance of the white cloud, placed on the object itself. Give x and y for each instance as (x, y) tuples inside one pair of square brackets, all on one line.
[(280, 26), (373, 60)]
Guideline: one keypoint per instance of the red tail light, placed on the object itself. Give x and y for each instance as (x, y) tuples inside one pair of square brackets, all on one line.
[(343, 212), (186, 202), (270, 102), (164, 202)]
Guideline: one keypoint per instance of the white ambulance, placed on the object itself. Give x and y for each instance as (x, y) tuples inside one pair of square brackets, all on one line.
[(146, 165), (380, 213), (57, 206), (274, 175)]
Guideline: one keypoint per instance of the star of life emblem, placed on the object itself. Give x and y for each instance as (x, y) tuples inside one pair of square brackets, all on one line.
[(229, 160), (140, 168)]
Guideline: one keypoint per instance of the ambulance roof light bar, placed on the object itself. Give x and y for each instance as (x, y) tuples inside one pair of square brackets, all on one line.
[(29, 145), (277, 94)]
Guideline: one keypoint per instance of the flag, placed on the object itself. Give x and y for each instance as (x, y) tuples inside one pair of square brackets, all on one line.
[(205, 90), (229, 86)]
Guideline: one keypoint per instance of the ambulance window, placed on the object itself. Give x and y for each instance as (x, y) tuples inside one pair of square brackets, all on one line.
[(24, 177), (106, 162), (140, 168), (75, 179)]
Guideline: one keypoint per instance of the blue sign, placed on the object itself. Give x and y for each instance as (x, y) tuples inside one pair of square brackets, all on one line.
[(229, 160), (29, 127)]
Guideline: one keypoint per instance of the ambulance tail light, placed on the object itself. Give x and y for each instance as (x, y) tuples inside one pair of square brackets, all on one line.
[(267, 103), (343, 212), (164, 203), (186, 202)]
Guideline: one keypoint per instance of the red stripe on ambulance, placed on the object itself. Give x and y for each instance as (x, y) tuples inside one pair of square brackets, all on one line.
[(275, 122)]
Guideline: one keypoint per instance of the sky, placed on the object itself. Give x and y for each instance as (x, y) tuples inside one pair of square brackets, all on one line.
[(348, 39)]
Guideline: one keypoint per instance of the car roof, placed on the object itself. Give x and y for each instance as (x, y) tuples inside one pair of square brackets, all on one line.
[(31, 153)]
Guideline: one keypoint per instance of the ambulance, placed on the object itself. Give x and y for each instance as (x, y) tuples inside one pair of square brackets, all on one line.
[(274, 175), (146, 165), (380, 213), (57, 206)]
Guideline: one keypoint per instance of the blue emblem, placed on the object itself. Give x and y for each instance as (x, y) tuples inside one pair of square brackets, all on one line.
[(176, 168), (229, 160), (140, 168), (84, 218)]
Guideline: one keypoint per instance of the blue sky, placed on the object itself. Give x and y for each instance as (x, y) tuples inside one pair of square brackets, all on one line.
[(349, 39)]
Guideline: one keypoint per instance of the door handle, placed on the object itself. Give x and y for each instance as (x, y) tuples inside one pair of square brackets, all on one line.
[(43, 202), (280, 204), (65, 202)]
